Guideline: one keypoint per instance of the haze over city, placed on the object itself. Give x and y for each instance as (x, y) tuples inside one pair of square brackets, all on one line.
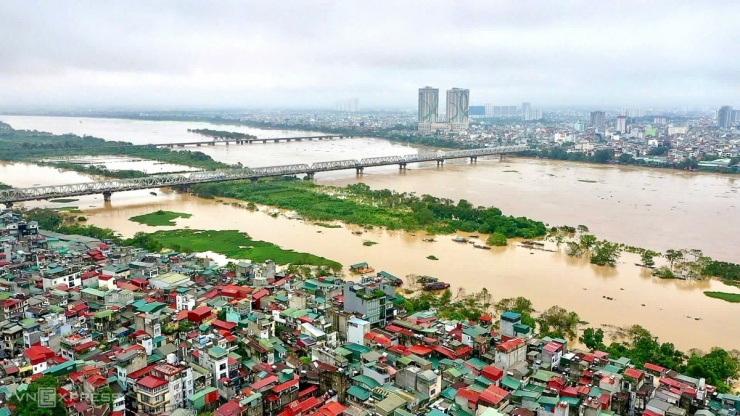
[(297, 54)]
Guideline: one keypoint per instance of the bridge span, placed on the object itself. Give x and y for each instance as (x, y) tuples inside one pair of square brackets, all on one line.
[(246, 140), (108, 187)]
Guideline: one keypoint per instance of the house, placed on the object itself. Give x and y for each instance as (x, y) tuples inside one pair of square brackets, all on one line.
[(509, 353), (39, 356)]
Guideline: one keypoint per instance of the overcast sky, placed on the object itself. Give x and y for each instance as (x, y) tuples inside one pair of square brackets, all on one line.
[(310, 54)]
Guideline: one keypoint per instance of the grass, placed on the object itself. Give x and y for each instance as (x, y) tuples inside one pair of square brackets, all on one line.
[(728, 297), (369, 243), (326, 225), (236, 245), (432, 258), (587, 181), (73, 210), (63, 200), (159, 218)]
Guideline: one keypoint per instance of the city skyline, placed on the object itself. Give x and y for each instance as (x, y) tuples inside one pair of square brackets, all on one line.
[(299, 55)]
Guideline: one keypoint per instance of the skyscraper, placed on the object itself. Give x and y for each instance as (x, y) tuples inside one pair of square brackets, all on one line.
[(725, 117), (457, 108), (428, 104), (597, 119), (622, 124), (525, 108)]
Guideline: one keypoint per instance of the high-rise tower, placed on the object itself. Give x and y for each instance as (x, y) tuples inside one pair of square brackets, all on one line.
[(458, 111), (428, 104), (725, 117)]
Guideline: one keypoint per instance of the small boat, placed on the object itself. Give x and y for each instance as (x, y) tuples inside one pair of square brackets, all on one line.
[(528, 242), (153, 193), (412, 234), (539, 244), (436, 286), (473, 236), (426, 279), (460, 240), (481, 246), (358, 232), (471, 242), (428, 240)]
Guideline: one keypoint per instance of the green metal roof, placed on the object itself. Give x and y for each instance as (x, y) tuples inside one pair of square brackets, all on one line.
[(359, 392), (511, 383), (366, 380), (201, 393)]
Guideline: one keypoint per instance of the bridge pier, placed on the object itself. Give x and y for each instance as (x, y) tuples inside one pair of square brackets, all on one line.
[(402, 166), (214, 143), (310, 175), (8, 205), (275, 140), (440, 162), (360, 170), (264, 141), (253, 179), (500, 156), (107, 195), (473, 159)]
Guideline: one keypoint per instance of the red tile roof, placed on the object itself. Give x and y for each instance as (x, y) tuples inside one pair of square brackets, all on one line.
[(634, 373), (510, 345), (151, 382)]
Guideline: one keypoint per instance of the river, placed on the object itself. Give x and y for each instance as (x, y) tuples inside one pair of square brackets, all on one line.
[(649, 208)]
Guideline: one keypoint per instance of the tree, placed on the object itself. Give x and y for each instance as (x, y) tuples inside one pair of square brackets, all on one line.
[(593, 338), (647, 258), (605, 254), (588, 241), (574, 249), (27, 402), (558, 322), (717, 367), (582, 229), (672, 256), (496, 239)]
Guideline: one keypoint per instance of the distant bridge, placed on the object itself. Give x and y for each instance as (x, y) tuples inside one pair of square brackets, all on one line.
[(248, 140), (108, 187), (61, 147)]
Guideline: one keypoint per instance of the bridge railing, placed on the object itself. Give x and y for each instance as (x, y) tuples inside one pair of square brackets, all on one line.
[(188, 178)]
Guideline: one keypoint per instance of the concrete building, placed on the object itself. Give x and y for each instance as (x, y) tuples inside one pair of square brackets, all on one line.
[(428, 107), (725, 117), (371, 299), (622, 124), (598, 119), (458, 110)]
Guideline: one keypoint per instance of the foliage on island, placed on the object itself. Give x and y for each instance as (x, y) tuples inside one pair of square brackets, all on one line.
[(159, 218), (4, 186), (223, 134), (358, 204), (17, 145)]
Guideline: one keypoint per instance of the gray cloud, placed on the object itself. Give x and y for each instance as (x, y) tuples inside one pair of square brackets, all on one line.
[(312, 53)]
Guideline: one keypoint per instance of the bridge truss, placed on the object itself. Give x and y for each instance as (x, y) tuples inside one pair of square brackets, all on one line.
[(107, 187)]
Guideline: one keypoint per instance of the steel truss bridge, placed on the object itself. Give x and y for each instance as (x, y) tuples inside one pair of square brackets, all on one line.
[(108, 187)]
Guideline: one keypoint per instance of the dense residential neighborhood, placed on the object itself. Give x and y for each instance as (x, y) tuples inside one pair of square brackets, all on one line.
[(122, 331)]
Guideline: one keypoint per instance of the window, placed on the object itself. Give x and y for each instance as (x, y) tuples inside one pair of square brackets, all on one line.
[(222, 367)]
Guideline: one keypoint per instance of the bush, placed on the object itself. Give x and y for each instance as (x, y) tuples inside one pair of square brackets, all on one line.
[(496, 239)]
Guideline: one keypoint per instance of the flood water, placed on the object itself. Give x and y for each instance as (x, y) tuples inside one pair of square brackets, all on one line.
[(657, 209)]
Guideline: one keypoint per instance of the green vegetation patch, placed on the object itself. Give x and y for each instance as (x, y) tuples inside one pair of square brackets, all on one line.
[(511, 171), (430, 257), (4, 186), (358, 204), (728, 297), (69, 209), (369, 243), (159, 218), (235, 245), (63, 200), (587, 181)]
